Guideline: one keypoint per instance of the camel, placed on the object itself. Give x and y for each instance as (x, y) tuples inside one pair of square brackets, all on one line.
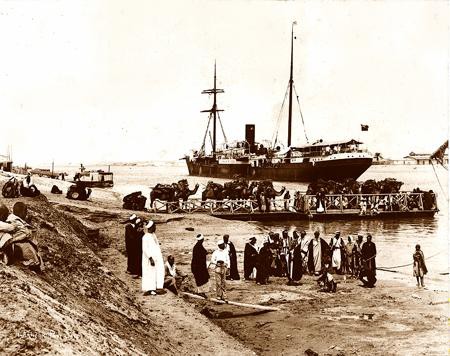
[(213, 191), (172, 192), (266, 192), (164, 192), (183, 192)]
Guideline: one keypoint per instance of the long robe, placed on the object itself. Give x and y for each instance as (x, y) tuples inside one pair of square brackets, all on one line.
[(152, 276), (317, 260), (234, 274), (198, 264), (137, 248), (297, 264), (336, 244), (130, 231), (264, 263), (250, 259), (368, 252)]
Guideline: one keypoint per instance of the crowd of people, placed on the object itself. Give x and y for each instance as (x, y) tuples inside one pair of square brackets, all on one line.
[(287, 256)]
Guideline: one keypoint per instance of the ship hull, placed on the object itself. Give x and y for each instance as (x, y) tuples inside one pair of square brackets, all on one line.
[(289, 172)]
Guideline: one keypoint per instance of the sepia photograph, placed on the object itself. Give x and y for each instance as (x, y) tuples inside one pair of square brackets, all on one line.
[(208, 177)]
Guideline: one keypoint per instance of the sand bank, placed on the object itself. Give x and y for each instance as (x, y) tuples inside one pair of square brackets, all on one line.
[(392, 319)]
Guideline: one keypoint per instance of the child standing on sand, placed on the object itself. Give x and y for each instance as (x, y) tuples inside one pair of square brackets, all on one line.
[(419, 267)]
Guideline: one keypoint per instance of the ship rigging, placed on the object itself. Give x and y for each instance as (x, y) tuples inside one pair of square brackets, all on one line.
[(337, 160)]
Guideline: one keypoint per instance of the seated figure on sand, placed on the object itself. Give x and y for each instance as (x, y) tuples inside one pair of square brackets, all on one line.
[(173, 276), (16, 243), (326, 281)]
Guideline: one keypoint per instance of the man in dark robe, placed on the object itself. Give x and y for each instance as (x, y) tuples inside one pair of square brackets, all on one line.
[(368, 254), (264, 264), (250, 258), (130, 231), (297, 259), (318, 254), (234, 274), (199, 267), (137, 247)]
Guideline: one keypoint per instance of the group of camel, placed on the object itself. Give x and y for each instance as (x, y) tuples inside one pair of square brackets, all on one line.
[(241, 188), (237, 189), (351, 186), (263, 192)]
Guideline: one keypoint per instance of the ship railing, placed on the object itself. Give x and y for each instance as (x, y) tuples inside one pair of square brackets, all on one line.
[(308, 204), (204, 206), (367, 203)]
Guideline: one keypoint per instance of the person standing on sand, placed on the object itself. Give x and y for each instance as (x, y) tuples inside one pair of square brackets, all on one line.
[(357, 255), (221, 259), (250, 258), (284, 253), (229, 247), (130, 231), (368, 254), (349, 260), (318, 254), (152, 261), (296, 270), (264, 264), (199, 267), (419, 267), (336, 246)]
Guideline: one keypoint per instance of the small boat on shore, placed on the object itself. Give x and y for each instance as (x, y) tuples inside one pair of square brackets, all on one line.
[(334, 160)]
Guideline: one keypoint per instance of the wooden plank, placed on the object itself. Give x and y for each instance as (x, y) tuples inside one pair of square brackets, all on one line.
[(246, 305)]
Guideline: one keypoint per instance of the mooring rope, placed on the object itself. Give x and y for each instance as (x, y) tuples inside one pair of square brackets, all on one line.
[(409, 264), (435, 173)]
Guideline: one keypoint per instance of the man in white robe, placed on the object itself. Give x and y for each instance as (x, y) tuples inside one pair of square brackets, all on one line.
[(318, 254), (152, 261), (336, 246)]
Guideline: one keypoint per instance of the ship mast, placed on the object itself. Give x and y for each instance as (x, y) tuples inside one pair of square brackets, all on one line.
[(213, 111), (291, 82)]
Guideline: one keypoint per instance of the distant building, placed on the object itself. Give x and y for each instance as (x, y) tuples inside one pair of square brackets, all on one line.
[(5, 163), (421, 158)]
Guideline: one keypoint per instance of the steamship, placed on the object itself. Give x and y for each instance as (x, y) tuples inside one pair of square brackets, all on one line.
[(336, 160)]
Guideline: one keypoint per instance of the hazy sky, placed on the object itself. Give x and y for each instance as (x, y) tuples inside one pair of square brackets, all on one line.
[(91, 81)]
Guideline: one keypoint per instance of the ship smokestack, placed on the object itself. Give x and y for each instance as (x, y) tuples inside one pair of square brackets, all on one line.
[(250, 136)]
